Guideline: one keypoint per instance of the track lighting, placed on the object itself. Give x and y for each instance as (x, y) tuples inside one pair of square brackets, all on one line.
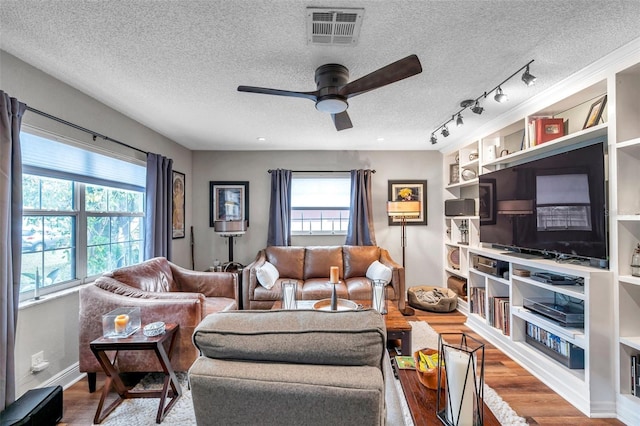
[(477, 109), (527, 78), (474, 104), (500, 97)]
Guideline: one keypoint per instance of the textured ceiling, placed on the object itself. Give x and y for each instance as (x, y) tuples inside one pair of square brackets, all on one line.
[(174, 66)]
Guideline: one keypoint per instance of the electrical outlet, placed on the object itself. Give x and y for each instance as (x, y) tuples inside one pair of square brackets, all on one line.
[(37, 359)]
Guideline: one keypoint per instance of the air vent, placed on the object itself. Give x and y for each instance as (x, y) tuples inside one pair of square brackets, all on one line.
[(334, 27)]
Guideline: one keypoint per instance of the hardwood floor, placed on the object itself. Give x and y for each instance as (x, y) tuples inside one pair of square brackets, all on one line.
[(529, 397)]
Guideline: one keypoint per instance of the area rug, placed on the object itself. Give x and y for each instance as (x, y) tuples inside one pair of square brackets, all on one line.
[(423, 336)]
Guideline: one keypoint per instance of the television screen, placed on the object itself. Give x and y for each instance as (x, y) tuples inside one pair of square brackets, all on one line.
[(552, 205)]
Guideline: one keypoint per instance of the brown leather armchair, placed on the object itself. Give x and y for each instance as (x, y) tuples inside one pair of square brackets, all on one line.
[(164, 292)]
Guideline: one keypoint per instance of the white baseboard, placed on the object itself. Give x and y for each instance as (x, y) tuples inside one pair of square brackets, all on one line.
[(66, 378)]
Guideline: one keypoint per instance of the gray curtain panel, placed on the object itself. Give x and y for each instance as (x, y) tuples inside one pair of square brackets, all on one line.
[(11, 112), (361, 231), (280, 208), (158, 220)]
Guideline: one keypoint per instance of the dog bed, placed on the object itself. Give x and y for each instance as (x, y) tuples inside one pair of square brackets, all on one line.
[(433, 299)]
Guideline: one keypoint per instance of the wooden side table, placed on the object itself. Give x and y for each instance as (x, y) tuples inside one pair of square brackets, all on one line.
[(137, 342)]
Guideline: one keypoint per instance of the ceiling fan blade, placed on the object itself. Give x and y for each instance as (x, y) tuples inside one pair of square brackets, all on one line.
[(307, 95), (396, 71), (342, 121)]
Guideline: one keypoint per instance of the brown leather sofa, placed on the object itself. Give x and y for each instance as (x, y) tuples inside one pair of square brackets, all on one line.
[(310, 267), (164, 292)]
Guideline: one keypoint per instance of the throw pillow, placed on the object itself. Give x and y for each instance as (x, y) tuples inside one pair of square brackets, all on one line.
[(267, 275), (377, 271)]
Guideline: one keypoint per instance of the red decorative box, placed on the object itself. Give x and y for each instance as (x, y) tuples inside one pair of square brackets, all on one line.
[(548, 129)]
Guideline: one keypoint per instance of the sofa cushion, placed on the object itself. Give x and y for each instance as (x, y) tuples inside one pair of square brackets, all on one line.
[(318, 261), (267, 275), (289, 261), (310, 337), (358, 258), (377, 271)]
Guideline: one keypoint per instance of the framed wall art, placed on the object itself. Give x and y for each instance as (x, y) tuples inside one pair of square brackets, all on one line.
[(178, 205), (454, 173), (409, 190), (487, 201), (595, 112), (228, 201)]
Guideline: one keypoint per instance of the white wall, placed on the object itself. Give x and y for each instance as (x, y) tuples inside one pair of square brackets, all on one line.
[(424, 246), (51, 325)]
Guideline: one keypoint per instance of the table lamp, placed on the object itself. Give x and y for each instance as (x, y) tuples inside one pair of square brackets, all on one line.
[(403, 210)]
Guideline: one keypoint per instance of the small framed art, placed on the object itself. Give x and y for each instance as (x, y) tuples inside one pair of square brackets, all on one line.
[(228, 201)]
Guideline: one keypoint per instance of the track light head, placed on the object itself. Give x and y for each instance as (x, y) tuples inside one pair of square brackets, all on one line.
[(477, 109), (459, 121), (500, 97), (434, 140), (445, 131), (528, 78)]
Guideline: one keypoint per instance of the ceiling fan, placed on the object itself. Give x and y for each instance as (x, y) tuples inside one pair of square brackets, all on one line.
[(334, 89)]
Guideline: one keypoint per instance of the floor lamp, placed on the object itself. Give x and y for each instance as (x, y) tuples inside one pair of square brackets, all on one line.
[(403, 210), (230, 229)]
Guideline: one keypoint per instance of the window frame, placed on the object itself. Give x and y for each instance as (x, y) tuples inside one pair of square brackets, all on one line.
[(321, 232), (78, 212)]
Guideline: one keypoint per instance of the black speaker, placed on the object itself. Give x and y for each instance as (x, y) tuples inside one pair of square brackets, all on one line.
[(37, 407), (460, 207)]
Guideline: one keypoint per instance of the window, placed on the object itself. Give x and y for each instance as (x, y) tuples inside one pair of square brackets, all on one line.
[(320, 204), (82, 214)]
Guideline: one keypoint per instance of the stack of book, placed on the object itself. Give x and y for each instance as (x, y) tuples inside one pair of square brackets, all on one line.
[(635, 375), (499, 314), (477, 301), (544, 129)]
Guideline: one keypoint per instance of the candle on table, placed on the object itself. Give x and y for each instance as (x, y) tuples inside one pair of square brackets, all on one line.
[(461, 394), (334, 274), (120, 323)]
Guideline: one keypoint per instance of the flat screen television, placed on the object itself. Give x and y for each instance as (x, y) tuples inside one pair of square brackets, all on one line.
[(551, 206)]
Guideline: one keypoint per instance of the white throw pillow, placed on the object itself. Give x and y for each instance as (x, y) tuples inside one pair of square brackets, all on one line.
[(377, 271), (267, 275)]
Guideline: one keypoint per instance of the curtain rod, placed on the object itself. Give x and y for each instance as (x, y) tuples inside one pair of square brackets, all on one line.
[(319, 171), (91, 132)]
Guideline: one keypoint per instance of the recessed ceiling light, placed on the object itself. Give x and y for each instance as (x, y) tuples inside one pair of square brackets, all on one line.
[(380, 139), (261, 139)]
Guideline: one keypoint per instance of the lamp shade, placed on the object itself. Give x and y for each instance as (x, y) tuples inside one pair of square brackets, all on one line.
[(403, 208), (230, 227)]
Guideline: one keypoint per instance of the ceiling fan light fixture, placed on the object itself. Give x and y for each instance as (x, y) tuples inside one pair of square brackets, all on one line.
[(332, 105), (528, 78), (500, 97)]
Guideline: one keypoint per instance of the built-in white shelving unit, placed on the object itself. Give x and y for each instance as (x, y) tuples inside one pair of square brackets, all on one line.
[(611, 297)]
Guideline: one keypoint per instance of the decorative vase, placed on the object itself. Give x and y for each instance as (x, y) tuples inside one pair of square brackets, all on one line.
[(334, 298)]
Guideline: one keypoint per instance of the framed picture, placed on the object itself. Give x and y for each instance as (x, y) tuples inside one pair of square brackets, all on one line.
[(454, 173), (178, 205), (487, 201), (228, 201), (595, 112), (409, 190)]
